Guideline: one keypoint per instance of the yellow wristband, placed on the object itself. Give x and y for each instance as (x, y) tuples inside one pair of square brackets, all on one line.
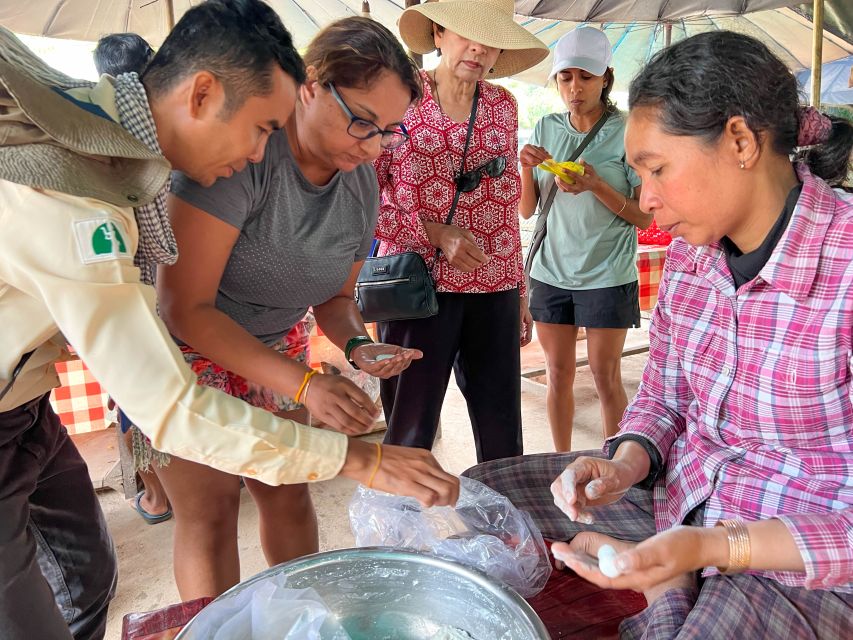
[(304, 384), (378, 462)]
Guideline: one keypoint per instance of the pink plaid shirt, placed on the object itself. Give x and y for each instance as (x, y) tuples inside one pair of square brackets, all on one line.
[(748, 394)]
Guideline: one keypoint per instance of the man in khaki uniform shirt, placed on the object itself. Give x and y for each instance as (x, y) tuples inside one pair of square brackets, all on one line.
[(69, 175)]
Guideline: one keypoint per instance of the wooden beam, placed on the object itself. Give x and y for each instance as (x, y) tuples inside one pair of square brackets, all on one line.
[(817, 52)]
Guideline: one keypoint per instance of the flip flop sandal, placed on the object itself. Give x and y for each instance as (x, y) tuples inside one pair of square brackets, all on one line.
[(150, 518)]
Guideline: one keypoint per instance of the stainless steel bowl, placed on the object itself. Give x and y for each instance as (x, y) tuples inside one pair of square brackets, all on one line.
[(382, 594)]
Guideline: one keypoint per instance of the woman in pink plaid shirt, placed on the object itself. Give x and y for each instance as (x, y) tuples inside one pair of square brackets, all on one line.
[(727, 493)]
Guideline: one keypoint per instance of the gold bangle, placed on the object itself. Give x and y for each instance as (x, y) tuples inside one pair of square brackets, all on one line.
[(619, 213), (739, 546), (304, 384), (376, 467)]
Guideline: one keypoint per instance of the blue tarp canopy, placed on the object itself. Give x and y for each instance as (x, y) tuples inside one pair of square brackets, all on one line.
[(836, 86)]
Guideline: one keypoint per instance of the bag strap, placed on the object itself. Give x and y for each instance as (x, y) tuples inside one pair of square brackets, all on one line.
[(458, 193), (549, 200), (18, 368)]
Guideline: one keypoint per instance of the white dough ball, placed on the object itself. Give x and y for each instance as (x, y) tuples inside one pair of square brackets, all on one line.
[(606, 561)]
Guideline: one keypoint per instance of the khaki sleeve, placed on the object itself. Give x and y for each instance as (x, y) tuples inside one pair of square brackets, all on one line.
[(86, 280)]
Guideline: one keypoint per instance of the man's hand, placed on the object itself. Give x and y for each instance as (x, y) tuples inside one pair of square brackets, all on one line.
[(404, 471)]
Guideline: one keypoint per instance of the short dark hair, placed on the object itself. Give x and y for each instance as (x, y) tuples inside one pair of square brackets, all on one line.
[(120, 53), (353, 52), (697, 84), (238, 41)]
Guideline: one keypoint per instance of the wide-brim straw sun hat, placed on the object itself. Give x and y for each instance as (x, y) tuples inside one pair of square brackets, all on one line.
[(488, 22)]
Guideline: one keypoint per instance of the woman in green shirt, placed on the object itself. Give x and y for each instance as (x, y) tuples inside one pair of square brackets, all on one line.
[(585, 273)]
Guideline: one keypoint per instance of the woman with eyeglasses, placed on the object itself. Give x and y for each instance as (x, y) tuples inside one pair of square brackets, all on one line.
[(258, 248), (585, 271), (482, 318)]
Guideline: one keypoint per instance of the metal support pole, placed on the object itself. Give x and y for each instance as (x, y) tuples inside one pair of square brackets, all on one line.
[(817, 52), (667, 34), (418, 58), (365, 9)]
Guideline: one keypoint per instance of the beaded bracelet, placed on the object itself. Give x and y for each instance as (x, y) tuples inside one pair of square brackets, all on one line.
[(739, 546)]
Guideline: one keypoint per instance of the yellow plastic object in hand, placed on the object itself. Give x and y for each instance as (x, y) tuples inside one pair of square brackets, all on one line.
[(562, 169)]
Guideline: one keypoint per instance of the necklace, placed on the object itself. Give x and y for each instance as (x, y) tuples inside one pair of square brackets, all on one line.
[(437, 97)]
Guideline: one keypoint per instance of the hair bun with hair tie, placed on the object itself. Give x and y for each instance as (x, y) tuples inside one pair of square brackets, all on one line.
[(814, 127)]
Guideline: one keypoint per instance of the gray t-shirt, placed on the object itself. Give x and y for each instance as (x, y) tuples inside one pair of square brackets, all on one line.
[(297, 242)]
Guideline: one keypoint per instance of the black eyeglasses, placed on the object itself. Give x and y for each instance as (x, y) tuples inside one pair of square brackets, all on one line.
[(365, 129), (470, 180)]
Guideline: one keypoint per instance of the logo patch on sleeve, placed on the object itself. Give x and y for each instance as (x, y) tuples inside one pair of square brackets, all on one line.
[(101, 240)]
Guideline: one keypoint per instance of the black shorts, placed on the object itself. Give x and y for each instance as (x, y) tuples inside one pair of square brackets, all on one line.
[(608, 308)]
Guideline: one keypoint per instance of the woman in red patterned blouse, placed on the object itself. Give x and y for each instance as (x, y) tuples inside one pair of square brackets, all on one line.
[(483, 316)]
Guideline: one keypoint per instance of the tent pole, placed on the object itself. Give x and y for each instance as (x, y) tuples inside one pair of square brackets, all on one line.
[(817, 52), (667, 34), (170, 15), (417, 57)]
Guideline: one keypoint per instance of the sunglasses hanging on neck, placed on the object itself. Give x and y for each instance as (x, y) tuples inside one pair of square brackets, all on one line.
[(470, 180)]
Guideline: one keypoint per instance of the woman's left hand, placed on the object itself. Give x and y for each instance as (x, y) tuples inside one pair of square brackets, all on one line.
[(589, 181), (526, 328), (670, 556), (384, 360)]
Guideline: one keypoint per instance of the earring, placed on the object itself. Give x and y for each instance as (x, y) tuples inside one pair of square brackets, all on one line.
[(492, 70), (742, 164), (438, 51)]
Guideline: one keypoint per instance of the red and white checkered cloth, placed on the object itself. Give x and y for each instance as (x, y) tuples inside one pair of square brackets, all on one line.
[(650, 260), (80, 402)]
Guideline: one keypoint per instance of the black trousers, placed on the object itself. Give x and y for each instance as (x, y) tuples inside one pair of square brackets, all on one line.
[(478, 336), (57, 563)]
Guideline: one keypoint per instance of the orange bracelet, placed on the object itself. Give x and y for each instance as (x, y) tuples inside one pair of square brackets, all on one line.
[(378, 462), (304, 384)]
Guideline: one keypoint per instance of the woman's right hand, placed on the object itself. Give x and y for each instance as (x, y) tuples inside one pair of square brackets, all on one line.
[(589, 482), (459, 246), (532, 156), (403, 471), (340, 404)]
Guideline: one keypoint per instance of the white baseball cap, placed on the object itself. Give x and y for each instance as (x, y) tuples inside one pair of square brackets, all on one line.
[(582, 48)]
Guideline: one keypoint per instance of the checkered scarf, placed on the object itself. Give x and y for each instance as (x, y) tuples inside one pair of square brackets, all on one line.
[(156, 241)]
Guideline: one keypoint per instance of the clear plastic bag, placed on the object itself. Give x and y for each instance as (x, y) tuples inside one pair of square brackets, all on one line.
[(484, 531), (267, 610)]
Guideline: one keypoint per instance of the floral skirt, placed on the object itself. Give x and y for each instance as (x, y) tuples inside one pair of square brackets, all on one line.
[(293, 345)]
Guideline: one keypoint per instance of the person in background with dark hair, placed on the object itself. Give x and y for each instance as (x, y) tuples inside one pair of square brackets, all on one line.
[(116, 54), (585, 272), (260, 247), (120, 53), (82, 219), (727, 493)]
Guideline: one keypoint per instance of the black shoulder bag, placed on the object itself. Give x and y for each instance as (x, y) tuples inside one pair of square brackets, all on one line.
[(400, 286), (541, 228)]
